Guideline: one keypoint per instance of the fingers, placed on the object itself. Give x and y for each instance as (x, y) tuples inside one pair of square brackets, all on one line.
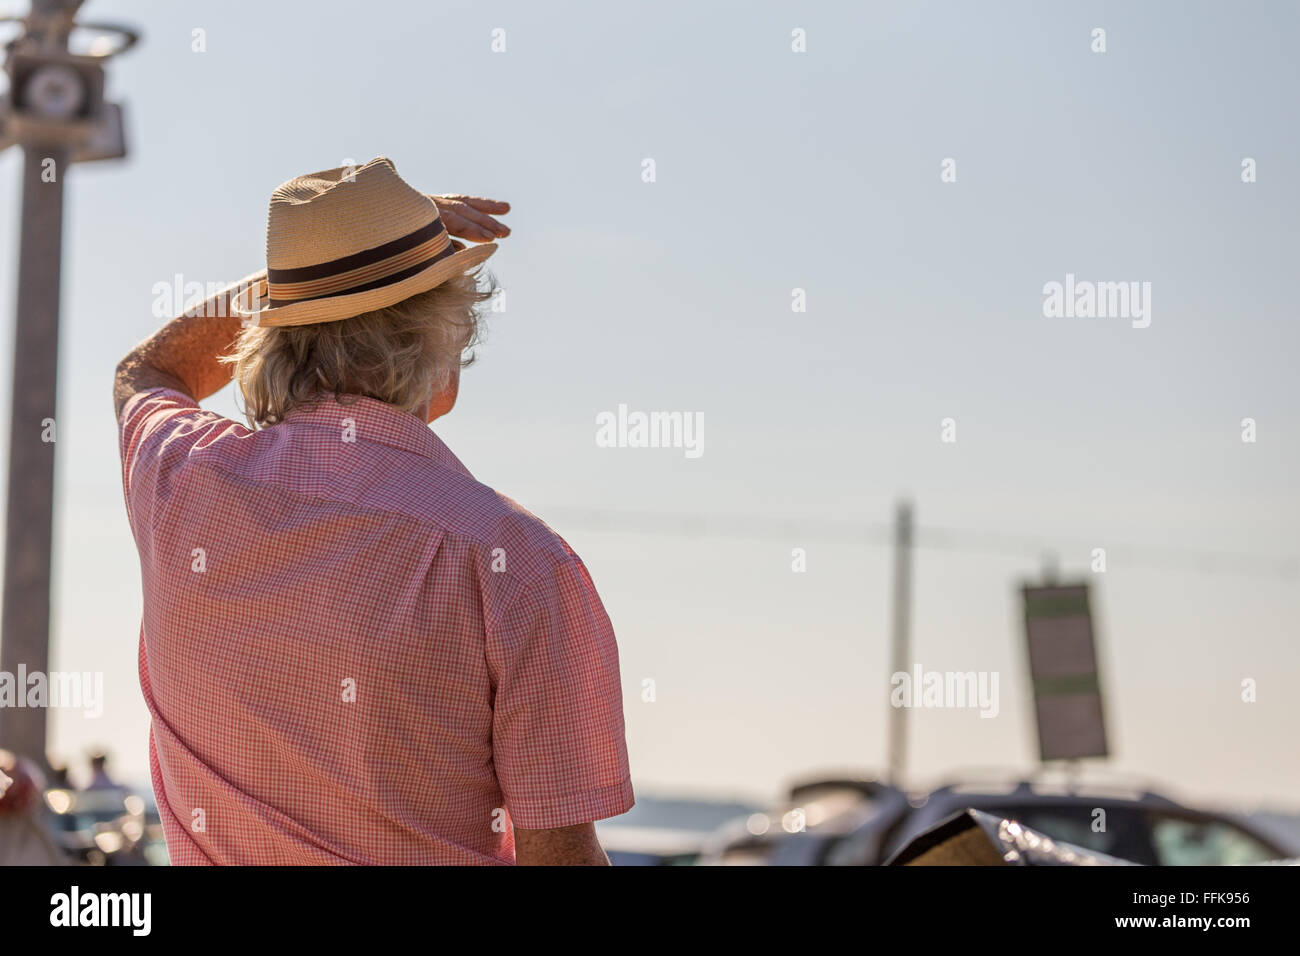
[(466, 221), (459, 225), (483, 220), (470, 217), (494, 206)]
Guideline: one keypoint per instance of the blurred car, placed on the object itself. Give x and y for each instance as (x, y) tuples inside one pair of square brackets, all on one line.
[(104, 827), (153, 848), (663, 831), (976, 838), (1136, 825), (801, 831), (845, 822)]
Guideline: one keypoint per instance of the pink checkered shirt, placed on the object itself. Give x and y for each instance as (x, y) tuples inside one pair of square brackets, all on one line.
[(352, 651)]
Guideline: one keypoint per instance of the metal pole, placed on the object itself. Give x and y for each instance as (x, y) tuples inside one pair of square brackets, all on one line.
[(901, 635), (1051, 568), (55, 131), (25, 623), (29, 515)]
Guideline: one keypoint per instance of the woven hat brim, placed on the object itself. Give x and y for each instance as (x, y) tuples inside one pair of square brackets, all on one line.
[(338, 307)]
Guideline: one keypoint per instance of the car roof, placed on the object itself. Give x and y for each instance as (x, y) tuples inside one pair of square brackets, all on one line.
[(946, 801), (1047, 791)]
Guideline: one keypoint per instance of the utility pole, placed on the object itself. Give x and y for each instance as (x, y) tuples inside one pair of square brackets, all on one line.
[(56, 113), (902, 623), (1050, 562)]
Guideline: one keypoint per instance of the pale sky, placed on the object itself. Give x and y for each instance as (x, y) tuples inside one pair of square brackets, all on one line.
[(778, 170)]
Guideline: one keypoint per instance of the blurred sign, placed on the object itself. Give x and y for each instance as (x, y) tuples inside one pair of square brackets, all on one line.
[(1063, 669), (105, 139)]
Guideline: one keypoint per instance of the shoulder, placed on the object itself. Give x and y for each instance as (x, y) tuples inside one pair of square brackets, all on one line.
[(507, 535), (166, 420)]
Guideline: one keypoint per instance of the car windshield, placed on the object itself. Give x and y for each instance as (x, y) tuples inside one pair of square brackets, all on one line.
[(1182, 842)]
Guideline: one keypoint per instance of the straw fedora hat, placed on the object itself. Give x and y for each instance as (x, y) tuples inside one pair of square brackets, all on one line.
[(344, 241)]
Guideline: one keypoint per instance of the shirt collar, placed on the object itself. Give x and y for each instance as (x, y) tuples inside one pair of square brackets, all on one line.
[(370, 420)]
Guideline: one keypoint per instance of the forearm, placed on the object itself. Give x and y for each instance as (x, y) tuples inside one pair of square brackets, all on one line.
[(184, 353), (564, 846)]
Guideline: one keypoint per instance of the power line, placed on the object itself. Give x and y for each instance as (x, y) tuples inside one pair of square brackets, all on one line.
[(954, 540)]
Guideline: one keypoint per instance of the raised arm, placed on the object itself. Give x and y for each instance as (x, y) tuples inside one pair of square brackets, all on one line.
[(183, 353)]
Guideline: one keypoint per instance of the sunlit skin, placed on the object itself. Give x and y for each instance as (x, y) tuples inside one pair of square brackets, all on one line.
[(443, 401), (183, 355), (472, 217)]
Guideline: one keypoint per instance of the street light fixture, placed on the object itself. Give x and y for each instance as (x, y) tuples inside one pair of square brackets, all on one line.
[(53, 92)]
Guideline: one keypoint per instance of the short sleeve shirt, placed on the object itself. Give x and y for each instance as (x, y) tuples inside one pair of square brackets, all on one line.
[(352, 651)]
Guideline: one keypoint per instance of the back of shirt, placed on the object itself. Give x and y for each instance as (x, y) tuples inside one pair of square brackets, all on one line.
[(353, 652)]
